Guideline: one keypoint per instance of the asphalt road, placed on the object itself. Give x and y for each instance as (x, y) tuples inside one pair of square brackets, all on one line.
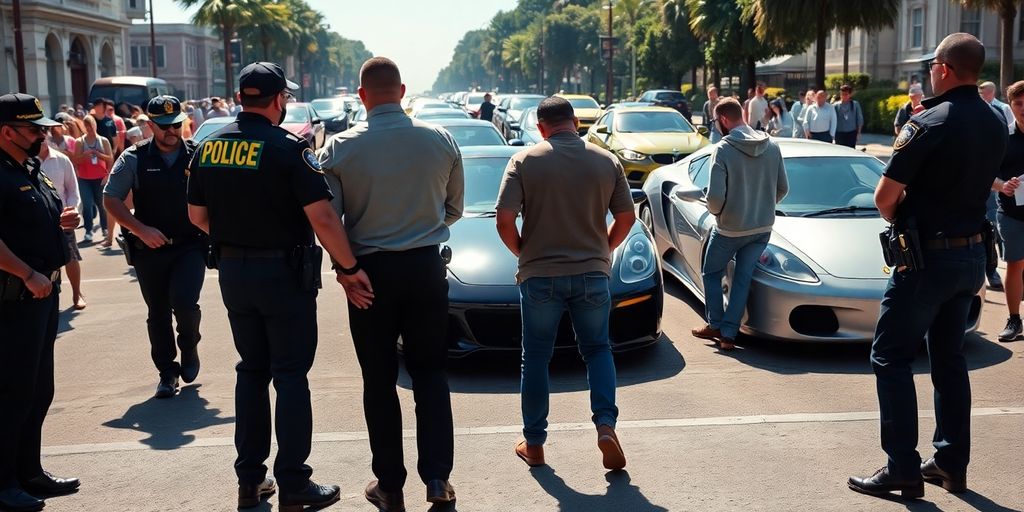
[(769, 426)]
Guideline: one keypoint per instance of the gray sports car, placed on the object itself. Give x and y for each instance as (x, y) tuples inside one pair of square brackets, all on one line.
[(822, 276)]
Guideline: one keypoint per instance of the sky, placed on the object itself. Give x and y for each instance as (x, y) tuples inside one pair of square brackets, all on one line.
[(419, 35)]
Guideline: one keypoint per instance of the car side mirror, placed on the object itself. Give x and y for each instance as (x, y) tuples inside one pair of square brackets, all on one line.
[(603, 130), (516, 142), (315, 120), (602, 105), (512, 125), (689, 193), (703, 130), (502, 109), (638, 195)]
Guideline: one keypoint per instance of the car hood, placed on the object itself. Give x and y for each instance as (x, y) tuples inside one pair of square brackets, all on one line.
[(654, 143), (588, 114), (296, 128), (843, 247)]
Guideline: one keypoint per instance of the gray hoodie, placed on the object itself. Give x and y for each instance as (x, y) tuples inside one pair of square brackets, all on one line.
[(748, 178)]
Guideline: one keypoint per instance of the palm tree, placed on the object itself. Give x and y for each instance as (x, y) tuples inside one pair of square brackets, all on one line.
[(774, 21), (274, 26), (631, 9), (1007, 10), (226, 16), (517, 54)]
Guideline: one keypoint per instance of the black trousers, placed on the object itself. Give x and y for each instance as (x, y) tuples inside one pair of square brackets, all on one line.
[(28, 329), (822, 136), (274, 326), (171, 279), (411, 301), (848, 139)]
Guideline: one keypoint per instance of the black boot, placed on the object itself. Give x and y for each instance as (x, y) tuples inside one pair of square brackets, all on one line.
[(315, 496), (167, 387), (882, 483)]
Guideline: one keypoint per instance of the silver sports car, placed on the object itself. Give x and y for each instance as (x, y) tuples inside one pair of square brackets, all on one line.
[(822, 276)]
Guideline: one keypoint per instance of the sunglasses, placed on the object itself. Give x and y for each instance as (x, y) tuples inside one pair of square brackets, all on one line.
[(176, 126), (42, 130)]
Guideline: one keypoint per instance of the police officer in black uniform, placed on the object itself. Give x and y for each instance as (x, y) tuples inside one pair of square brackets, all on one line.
[(32, 251), (260, 193), (936, 183), (167, 250)]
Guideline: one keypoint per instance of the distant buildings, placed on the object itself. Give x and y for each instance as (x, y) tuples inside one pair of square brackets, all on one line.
[(187, 57)]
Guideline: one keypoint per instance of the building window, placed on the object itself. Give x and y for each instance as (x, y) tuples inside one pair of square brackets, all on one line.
[(140, 56), (970, 21), (192, 56), (917, 28), (828, 41), (133, 4)]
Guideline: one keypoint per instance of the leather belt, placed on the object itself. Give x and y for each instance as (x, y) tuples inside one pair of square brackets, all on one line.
[(229, 251), (953, 243)]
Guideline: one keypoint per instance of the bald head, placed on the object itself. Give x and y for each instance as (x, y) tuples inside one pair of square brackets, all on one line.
[(963, 53), (379, 73)]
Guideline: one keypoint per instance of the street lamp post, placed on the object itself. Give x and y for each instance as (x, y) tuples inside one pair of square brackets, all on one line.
[(152, 39), (611, 55), (19, 47)]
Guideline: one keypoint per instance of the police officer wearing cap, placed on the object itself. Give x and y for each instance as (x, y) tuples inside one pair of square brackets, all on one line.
[(260, 193), (937, 182), (166, 249), (32, 251)]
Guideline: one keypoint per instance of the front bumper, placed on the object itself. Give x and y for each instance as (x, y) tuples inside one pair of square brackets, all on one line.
[(637, 171)]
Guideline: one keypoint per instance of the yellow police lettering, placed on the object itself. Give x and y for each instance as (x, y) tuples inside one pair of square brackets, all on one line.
[(254, 151), (238, 153), (234, 153), (223, 157), (205, 156)]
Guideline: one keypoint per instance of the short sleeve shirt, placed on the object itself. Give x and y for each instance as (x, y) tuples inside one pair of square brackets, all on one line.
[(255, 179), (564, 188)]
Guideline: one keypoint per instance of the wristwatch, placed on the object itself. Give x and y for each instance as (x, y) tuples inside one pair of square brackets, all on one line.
[(351, 271)]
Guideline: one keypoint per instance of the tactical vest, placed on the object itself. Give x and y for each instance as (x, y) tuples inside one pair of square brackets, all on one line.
[(160, 192)]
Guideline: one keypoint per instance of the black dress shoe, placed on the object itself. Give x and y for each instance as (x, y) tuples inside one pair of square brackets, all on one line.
[(933, 474), (48, 484), (314, 496), (882, 483), (440, 491), (190, 364), (250, 495), (167, 387), (384, 501), (17, 500)]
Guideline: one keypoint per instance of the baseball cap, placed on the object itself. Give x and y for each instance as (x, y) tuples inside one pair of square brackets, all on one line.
[(23, 108), (165, 110), (262, 79)]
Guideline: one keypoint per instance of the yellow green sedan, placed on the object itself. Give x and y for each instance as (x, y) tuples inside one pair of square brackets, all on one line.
[(645, 138), (587, 109)]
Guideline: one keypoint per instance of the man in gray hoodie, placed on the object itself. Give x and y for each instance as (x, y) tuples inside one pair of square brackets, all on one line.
[(748, 179)]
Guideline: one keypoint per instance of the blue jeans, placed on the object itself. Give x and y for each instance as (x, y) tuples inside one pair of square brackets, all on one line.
[(92, 201), (544, 300), (721, 249), (935, 302)]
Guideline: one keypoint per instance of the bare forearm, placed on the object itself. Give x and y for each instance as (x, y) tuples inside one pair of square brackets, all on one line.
[(119, 211), (199, 217), (509, 234), (619, 228), (12, 264), (331, 233)]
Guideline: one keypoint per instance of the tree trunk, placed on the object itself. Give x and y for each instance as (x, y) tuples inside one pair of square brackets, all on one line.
[(266, 49), (1006, 48), (846, 56), (749, 80), (716, 77), (693, 79), (229, 78), (819, 53)]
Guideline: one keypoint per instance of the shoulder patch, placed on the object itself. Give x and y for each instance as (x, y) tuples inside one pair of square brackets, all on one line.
[(311, 160), (906, 136)]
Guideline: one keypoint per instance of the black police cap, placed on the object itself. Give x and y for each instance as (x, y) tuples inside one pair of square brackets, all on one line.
[(262, 79), (23, 108), (165, 110)]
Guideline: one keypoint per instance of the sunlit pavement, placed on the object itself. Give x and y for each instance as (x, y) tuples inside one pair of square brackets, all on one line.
[(766, 427)]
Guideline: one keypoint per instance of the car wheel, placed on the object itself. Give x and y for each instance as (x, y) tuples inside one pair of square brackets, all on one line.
[(646, 217)]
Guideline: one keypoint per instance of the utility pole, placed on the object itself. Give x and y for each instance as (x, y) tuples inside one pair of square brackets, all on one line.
[(152, 39), (540, 69), (611, 53), (19, 48)]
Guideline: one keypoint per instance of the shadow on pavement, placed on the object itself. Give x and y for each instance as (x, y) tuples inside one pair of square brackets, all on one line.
[(620, 495), (167, 420), (982, 503), (498, 372), (64, 320)]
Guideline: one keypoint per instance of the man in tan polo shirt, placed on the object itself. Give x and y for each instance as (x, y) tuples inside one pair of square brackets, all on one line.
[(564, 188)]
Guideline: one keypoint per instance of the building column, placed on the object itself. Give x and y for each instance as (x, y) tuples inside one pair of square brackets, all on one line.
[(36, 79)]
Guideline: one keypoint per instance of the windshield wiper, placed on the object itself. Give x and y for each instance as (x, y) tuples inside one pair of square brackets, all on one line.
[(841, 209)]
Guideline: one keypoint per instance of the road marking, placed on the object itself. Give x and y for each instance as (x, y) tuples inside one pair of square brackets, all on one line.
[(719, 421)]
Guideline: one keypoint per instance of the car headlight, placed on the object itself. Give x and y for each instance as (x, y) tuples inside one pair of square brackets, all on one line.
[(782, 263), (631, 155), (637, 259)]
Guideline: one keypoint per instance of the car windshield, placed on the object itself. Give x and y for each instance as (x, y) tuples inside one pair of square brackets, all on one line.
[(524, 103), (529, 121), (476, 135), (669, 96), (210, 126), (475, 98), (827, 182), (441, 113), (328, 106), (296, 115), (651, 122), (583, 103), (131, 94), (482, 178)]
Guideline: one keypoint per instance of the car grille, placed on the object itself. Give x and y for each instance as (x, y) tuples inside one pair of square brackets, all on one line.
[(667, 158)]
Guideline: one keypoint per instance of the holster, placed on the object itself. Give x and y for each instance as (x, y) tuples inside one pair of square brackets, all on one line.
[(127, 242), (212, 256), (11, 287), (309, 259), (988, 237), (901, 247)]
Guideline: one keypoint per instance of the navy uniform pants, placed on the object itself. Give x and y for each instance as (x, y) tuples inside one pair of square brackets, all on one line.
[(931, 304), (411, 301), (171, 279), (273, 323), (28, 329)]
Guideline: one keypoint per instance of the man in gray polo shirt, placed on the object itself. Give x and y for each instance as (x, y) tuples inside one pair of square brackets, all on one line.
[(564, 188), (397, 186)]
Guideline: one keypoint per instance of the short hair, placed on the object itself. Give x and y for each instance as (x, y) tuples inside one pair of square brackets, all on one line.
[(712, 89), (845, 88), (963, 53), (379, 73), (730, 109), (555, 109), (987, 86), (1015, 90)]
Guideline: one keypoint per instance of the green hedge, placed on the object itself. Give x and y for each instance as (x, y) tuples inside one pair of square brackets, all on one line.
[(880, 107), (859, 81)]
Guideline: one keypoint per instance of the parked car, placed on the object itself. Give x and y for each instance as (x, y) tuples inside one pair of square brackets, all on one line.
[(335, 112), (822, 276), (483, 309), (645, 138), (133, 90), (474, 132), (510, 109), (441, 113), (301, 119), (586, 108), (210, 126), (528, 131), (668, 98)]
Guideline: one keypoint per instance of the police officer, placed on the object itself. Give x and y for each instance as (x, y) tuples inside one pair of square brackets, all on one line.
[(168, 251), (260, 193), (32, 251), (937, 182)]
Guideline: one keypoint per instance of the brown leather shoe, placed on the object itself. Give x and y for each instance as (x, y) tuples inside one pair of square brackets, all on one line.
[(608, 442), (706, 333), (532, 455), (383, 500)]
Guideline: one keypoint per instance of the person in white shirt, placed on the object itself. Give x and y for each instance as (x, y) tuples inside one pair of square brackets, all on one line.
[(58, 167), (987, 90), (757, 109), (820, 119)]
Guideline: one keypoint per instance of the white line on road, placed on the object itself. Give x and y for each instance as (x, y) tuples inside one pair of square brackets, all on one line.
[(720, 421)]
